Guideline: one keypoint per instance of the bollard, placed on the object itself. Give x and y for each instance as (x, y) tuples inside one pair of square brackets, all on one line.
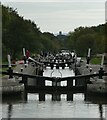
[(26, 65), (10, 71), (24, 59), (101, 72), (21, 69), (90, 69), (88, 60), (87, 66)]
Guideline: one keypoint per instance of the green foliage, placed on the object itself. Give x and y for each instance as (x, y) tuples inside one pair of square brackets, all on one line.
[(87, 37), (96, 60), (18, 33)]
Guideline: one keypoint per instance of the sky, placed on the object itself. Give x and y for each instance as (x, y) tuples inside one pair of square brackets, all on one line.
[(60, 15)]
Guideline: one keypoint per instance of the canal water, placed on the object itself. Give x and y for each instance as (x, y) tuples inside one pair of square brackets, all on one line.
[(57, 105)]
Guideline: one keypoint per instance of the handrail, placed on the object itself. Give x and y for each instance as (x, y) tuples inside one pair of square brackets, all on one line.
[(58, 79)]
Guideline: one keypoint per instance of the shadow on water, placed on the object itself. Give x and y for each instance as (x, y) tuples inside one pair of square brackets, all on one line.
[(14, 98), (56, 96), (95, 99)]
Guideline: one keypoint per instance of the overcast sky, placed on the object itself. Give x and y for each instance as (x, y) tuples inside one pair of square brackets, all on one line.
[(60, 15)]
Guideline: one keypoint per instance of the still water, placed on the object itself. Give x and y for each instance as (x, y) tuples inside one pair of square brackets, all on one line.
[(57, 105)]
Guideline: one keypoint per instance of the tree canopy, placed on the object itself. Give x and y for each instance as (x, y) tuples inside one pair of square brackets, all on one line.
[(18, 32), (83, 38)]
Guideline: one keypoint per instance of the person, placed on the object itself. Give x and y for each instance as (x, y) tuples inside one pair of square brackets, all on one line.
[(27, 54)]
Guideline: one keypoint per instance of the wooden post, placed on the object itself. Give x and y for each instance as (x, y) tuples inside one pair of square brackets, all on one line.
[(105, 66), (89, 52), (58, 83), (24, 80), (56, 96), (51, 65), (63, 65), (57, 66), (10, 71), (85, 82), (40, 71), (25, 96), (102, 61), (9, 61), (24, 54), (88, 56), (70, 83), (41, 96), (54, 83), (101, 71), (69, 96)]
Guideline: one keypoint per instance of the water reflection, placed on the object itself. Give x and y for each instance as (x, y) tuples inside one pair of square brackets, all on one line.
[(53, 104), (101, 111), (55, 96), (67, 103), (12, 99), (10, 108)]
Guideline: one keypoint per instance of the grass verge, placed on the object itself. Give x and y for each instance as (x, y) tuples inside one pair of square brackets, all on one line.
[(96, 60)]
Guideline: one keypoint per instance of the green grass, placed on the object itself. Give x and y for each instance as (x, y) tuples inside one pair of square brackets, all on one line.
[(96, 60)]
